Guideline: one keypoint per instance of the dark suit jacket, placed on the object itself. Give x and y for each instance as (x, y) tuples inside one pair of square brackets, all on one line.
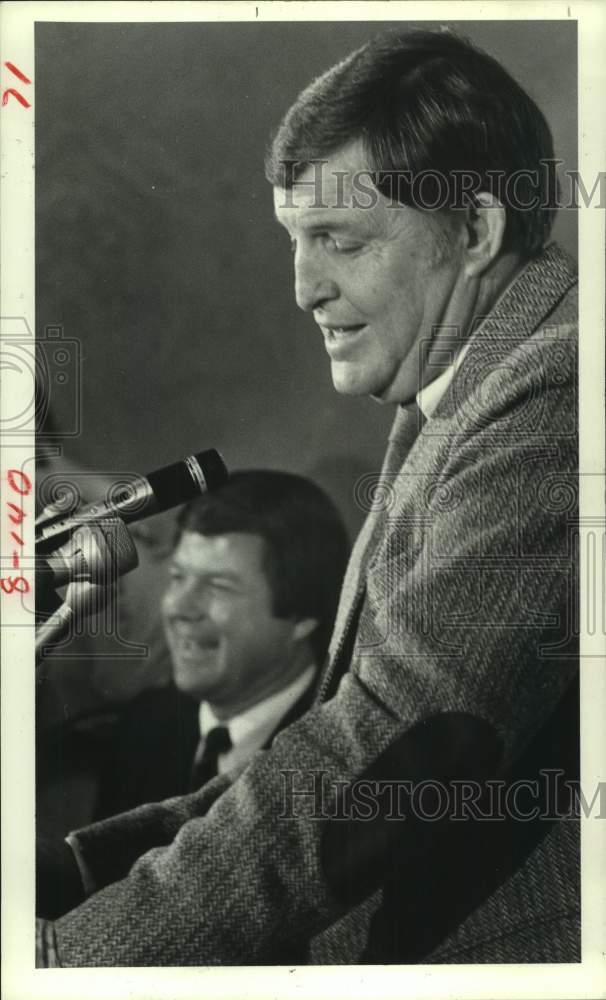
[(147, 755), (128, 754), (454, 649)]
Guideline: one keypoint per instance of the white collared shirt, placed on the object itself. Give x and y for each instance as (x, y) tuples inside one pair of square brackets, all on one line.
[(250, 730), (430, 395)]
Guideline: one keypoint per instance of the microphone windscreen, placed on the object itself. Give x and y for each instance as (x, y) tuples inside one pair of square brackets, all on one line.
[(120, 543)]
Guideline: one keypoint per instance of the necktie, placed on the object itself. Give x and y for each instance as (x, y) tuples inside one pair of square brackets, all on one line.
[(204, 766), (407, 426), (404, 433)]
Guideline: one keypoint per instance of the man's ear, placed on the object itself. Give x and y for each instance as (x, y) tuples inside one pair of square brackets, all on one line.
[(304, 628), (485, 225)]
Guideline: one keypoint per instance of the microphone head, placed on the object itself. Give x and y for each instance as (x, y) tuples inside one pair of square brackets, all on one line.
[(178, 483), (100, 551), (119, 552), (140, 497), (213, 468), (110, 552)]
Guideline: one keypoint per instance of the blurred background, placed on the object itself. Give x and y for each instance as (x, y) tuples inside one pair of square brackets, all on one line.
[(163, 274)]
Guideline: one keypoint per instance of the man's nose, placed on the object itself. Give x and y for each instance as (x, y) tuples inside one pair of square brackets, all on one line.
[(188, 601), (313, 285)]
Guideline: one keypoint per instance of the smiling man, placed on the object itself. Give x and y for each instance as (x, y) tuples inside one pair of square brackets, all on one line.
[(254, 581), (453, 665), (248, 610), (227, 646)]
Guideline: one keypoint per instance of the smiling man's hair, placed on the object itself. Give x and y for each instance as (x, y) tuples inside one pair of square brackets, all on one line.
[(428, 103), (305, 544)]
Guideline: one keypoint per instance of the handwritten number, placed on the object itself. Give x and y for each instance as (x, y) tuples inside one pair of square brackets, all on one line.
[(26, 483), (10, 91), (17, 72), (15, 93), (14, 584), (19, 514)]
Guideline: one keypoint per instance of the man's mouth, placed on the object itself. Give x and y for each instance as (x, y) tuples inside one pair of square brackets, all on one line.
[(340, 340), (190, 645), (341, 332)]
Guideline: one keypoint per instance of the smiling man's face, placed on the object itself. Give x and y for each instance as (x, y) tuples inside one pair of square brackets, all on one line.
[(227, 645), (377, 280)]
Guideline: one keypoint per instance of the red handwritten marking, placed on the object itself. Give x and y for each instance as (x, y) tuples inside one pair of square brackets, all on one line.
[(20, 482), (17, 72), (18, 511), (9, 584), (16, 94), (25, 481)]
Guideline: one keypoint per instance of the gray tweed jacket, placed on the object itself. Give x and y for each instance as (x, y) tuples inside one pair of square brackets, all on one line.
[(452, 666)]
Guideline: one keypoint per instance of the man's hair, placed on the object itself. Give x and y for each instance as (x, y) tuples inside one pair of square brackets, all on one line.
[(428, 103), (305, 542)]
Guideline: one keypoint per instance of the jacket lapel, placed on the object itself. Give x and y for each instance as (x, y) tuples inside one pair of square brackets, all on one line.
[(379, 490), (521, 309)]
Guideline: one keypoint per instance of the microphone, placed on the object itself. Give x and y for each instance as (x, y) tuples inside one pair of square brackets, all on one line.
[(102, 552), (81, 599), (143, 496), (96, 553)]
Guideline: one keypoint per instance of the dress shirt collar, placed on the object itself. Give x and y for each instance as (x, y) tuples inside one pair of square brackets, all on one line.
[(250, 729), (430, 395)]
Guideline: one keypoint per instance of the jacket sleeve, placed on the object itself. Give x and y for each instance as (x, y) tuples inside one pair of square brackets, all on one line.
[(466, 617)]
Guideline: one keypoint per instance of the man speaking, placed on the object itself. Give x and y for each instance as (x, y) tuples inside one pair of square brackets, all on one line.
[(414, 182)]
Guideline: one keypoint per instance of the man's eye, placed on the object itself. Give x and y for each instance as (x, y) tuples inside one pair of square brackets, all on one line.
[(223, 586), (341, 245)]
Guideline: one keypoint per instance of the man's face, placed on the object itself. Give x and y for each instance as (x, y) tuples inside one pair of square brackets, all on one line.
[(377, 279), (227, 646)]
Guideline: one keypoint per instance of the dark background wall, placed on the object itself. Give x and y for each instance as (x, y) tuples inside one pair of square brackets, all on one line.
[(157, 251)]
